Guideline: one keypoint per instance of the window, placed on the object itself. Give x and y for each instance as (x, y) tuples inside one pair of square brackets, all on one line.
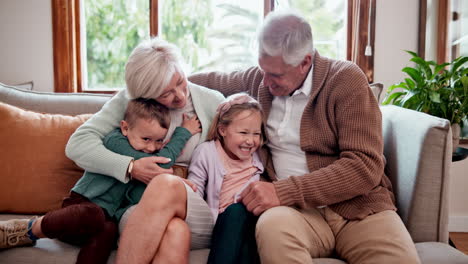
[(223, 38), (112, 30), (91, 46), (328, 21)]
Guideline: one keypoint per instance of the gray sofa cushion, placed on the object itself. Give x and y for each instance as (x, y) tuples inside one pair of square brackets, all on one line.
[(438, 253)]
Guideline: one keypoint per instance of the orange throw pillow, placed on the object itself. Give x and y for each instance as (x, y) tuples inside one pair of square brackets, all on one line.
[(35, 173)]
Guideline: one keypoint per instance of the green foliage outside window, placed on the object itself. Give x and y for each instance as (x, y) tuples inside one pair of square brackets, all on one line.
[(211, 34), (186, 24), (113, 29), (327, 20)]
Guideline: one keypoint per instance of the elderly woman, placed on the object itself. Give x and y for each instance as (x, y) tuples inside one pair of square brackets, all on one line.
[(181, 219)]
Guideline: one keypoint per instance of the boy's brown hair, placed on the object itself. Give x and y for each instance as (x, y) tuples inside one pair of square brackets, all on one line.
[(147, 109)]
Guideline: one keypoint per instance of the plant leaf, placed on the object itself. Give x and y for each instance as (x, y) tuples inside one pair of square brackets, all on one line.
[(409, 83), (413, 73), (392, 98), (435, 97), (424, 65), (458, 62), (412, 53)]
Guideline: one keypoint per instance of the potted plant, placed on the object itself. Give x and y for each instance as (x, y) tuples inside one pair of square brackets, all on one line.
[(436, 89)]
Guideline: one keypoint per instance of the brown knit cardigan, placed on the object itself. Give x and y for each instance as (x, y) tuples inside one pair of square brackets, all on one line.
[(341, 134)]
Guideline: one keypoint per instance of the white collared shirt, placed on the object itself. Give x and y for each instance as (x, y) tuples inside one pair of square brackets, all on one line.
[(283, 128)]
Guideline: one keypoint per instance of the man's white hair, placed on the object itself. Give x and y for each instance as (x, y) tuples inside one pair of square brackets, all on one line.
[(150, 68), (287, 34)]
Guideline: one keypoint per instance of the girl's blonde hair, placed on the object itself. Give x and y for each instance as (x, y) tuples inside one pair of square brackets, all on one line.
[(229, 109)]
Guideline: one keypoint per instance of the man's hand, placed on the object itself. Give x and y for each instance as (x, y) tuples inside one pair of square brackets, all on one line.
[(145, 169), (260, 196)]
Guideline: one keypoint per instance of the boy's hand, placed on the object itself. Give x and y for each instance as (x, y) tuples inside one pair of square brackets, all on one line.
[(192, 124), (145, 169)]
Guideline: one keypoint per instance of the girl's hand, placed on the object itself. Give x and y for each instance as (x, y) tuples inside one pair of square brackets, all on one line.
[(192, 124)]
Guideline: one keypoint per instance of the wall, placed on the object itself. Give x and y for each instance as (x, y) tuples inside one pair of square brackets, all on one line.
[(26, 44), (26, 53), (396, 31), (458, 213)]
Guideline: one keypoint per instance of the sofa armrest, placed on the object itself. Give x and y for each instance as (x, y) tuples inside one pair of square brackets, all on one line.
[(418, 147)]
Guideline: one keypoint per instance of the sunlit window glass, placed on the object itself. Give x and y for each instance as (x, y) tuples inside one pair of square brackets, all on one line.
[(328, 21), (112, 29), (212, 34)]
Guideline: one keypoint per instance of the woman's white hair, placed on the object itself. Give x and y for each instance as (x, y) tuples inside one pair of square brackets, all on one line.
[(150, 68), (287, 34)]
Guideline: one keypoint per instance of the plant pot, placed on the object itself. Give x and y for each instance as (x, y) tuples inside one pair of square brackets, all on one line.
[(455, 136)]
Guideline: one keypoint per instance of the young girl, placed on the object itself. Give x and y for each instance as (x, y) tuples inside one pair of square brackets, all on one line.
[(222, 168)]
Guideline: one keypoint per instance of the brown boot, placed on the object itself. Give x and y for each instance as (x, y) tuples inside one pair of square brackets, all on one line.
[(14, 233)]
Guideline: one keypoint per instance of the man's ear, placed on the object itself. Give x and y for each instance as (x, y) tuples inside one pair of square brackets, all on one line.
[(305, 63), (124, 127)]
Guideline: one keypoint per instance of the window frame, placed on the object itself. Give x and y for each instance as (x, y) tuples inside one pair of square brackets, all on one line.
[(66, 40)]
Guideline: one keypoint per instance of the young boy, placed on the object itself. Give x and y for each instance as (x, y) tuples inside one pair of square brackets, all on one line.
[(89, 216)]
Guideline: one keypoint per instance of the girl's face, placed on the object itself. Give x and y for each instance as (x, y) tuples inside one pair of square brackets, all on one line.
[(242, 136), (174, 95)]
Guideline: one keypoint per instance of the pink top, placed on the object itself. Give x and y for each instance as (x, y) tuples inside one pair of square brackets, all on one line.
[(238, 173)]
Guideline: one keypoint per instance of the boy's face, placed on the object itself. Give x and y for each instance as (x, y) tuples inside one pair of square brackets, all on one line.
[(145, 135)]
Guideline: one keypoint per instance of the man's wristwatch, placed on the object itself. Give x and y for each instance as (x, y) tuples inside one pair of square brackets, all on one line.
[(129, 170)]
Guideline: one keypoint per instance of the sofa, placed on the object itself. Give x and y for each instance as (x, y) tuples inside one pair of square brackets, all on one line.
[(36, 174)]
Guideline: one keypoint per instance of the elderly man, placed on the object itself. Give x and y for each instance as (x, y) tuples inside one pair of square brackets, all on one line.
[(329, 194)]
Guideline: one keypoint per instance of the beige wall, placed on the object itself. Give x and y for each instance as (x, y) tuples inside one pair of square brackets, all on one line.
[(459, 196), (26, 43), (396, 31), (26, 54)]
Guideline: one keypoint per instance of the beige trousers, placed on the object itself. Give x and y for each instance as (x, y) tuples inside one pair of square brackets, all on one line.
[(290, 235)]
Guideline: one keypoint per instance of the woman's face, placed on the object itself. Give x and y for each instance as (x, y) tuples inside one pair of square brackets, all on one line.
[(174, 95)]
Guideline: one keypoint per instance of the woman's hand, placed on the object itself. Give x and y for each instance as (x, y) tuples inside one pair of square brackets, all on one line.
[(145, 169), (192, 124)]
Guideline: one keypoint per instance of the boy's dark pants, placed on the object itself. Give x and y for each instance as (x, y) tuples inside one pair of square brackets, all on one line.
[(233, 238), (82, 223)]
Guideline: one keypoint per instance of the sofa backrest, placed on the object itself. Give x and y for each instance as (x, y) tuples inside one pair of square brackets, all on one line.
[(53, 103)]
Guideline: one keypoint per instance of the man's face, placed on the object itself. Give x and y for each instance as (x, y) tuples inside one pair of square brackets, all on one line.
[(280, 78)]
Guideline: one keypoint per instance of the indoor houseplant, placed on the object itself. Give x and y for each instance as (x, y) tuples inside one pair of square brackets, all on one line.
[(437, 89)]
